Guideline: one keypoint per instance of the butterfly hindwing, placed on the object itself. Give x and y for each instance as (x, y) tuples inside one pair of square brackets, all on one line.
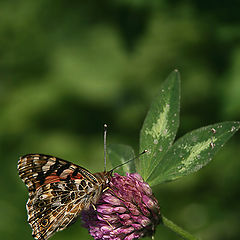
[(53, 207), (58, 191)]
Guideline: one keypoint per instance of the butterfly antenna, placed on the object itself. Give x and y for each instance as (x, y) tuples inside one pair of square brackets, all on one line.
[(105, 145), (132, 159)]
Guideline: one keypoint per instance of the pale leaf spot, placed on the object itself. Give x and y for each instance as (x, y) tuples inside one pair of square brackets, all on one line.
[(160, 127), (195, 152)]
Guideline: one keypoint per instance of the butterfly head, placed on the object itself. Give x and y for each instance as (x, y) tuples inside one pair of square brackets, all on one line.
[(105, 177), (108, 176)]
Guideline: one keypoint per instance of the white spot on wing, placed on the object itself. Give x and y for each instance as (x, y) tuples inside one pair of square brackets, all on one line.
[(65, 173), (47, 166)]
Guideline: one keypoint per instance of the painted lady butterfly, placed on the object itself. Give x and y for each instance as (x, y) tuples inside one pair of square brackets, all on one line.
[(58, 191)]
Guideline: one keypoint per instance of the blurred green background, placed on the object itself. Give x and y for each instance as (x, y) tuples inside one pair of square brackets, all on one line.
[(67, 67)]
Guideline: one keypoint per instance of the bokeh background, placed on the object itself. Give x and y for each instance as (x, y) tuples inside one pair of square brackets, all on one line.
[(68, 67)]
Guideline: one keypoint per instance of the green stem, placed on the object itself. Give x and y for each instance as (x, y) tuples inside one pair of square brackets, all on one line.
[(178, 230)]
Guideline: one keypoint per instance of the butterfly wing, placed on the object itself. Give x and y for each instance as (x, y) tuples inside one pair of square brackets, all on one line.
[(58, 191)]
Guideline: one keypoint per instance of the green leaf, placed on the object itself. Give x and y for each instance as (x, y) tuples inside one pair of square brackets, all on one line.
[(119, 154), (192, 151), (160, 126)]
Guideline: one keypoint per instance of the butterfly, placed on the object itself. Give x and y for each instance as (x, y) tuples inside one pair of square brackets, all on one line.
[(58, 192)]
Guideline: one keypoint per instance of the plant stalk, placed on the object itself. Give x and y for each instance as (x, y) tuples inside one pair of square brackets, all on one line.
[(178, 230)]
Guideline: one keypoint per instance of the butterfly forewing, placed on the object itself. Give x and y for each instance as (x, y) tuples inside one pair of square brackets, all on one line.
[(58, 191)]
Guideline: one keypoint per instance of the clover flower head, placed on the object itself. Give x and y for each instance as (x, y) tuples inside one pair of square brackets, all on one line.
[(127, 210)]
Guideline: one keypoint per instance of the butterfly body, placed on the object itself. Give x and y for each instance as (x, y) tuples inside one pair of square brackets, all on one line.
[(58, 192)]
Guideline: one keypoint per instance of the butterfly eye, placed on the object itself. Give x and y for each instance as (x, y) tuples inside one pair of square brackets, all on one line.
[(44, 222)]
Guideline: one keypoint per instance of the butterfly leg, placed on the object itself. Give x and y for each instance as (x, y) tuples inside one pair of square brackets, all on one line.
[(108, 188), (95, 209)]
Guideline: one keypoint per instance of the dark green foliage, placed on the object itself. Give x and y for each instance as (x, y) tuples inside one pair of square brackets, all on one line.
[(119, 154)]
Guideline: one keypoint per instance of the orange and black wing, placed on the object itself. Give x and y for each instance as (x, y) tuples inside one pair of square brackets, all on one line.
[(58, 191)]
